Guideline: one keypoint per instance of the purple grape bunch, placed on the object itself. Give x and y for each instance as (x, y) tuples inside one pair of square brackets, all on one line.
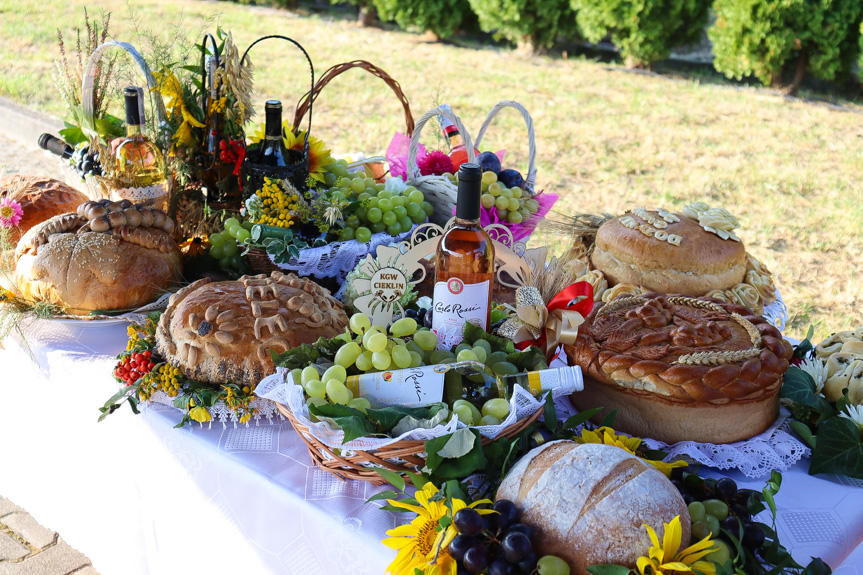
[(498, 544)]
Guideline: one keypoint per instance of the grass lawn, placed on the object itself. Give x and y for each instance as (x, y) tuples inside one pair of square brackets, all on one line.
[(606, 139)]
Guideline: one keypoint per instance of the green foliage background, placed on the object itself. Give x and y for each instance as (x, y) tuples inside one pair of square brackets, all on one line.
[(645, 31), (530, 23)]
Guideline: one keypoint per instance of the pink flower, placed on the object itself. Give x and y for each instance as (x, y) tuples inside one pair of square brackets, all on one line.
[(10, 213), (435, 163)]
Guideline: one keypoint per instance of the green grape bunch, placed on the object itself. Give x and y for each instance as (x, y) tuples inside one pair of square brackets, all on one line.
[(372, 207)]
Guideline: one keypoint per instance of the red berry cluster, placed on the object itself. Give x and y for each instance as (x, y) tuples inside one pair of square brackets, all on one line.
[(228, 150), (133, 367)]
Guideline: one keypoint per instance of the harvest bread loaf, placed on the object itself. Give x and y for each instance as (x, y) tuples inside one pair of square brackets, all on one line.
[(62, 262), (222, 332), (588, 502), (696, 263), (40, 198), (693, 252), (680, 368)]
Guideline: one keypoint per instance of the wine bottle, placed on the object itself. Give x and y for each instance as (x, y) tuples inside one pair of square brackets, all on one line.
[(469, 380), (464, 266), (273, 152), (139, 163), (56, 146), (457, 149)]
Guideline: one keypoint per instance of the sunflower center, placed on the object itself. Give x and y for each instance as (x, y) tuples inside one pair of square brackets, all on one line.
[(425, 538)]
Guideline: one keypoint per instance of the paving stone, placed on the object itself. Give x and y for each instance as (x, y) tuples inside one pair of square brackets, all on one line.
[(7, 507), (58, 559), (27, 528), (10, 549)]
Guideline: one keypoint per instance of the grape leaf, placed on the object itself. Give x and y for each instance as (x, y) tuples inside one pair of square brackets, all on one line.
[(299, 357), (839, 449), (387, 418), (799, 387), (352, 421)]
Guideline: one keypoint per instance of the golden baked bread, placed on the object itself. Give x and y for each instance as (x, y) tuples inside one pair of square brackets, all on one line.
[(701, 262), (588, 503), (62, 262), (679, 368), (222, 332), (41, 198)]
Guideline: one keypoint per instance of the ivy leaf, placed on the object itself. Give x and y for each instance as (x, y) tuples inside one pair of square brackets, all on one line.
[(839, 449), (799, 387), (458, 467), (606, 569)]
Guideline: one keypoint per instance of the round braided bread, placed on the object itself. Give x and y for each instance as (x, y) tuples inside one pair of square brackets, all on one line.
[(671, 357)]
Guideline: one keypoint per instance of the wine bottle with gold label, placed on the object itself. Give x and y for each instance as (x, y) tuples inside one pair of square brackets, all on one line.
[(139, 163), (464, 268)]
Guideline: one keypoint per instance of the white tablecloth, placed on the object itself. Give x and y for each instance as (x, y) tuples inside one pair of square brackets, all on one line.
[(137, 496)]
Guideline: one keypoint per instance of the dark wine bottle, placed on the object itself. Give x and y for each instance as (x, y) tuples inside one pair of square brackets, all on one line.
[(56, 146), (273, 152)]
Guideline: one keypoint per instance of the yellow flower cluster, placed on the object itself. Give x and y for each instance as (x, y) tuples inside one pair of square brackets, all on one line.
[(240, 403), (276, 205), (168, 379), (218, 106)]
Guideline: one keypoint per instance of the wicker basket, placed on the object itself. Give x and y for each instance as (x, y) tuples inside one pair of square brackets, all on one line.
[(100, 187), (439, 191), (399, 457)]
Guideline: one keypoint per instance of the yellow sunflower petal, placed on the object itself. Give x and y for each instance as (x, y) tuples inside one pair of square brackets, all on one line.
[(654, 540), (672, 536), (643, 563), (676, 566), (706, 567), (416, 509)]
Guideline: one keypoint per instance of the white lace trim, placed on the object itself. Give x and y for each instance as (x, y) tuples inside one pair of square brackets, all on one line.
[(141, 194), (266, 410), (276, 388)]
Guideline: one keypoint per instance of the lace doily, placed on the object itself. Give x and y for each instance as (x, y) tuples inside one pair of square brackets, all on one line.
[(337, 259), (219, 412), (143, 194), (777, 312), (276, 388), (775, 448)]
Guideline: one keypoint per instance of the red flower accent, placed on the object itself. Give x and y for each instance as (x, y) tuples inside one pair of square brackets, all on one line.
[(435, 163)]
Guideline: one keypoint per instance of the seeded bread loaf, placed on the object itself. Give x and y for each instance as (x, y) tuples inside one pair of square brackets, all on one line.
[(588, 503), (222, 332)]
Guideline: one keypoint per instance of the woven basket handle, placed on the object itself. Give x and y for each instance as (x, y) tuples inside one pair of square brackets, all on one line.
[(88, 84), (530, 180), (311, 68), (413, 150), (307, 99)]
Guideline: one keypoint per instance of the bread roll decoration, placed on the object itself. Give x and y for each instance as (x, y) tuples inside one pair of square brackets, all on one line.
[(101, 257)]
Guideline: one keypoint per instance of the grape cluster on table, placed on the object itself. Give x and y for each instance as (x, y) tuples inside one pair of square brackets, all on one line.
[(85, 162), (225, 245), (718, 508), (498, 544), (379, 209)]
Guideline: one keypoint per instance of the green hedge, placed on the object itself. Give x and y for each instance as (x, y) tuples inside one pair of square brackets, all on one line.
[(644, 31), (764, 37), (443, 17), (531, 24)]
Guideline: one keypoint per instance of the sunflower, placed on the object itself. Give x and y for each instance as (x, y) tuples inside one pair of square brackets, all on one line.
[(666, 559), (607, 436), (319, 156), (422, 544)]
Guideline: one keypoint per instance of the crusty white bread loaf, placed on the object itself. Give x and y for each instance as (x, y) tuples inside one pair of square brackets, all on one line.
[(588, 502)]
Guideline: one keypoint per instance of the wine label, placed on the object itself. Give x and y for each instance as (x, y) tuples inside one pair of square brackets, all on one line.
[(455, 303), (411, 387)]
